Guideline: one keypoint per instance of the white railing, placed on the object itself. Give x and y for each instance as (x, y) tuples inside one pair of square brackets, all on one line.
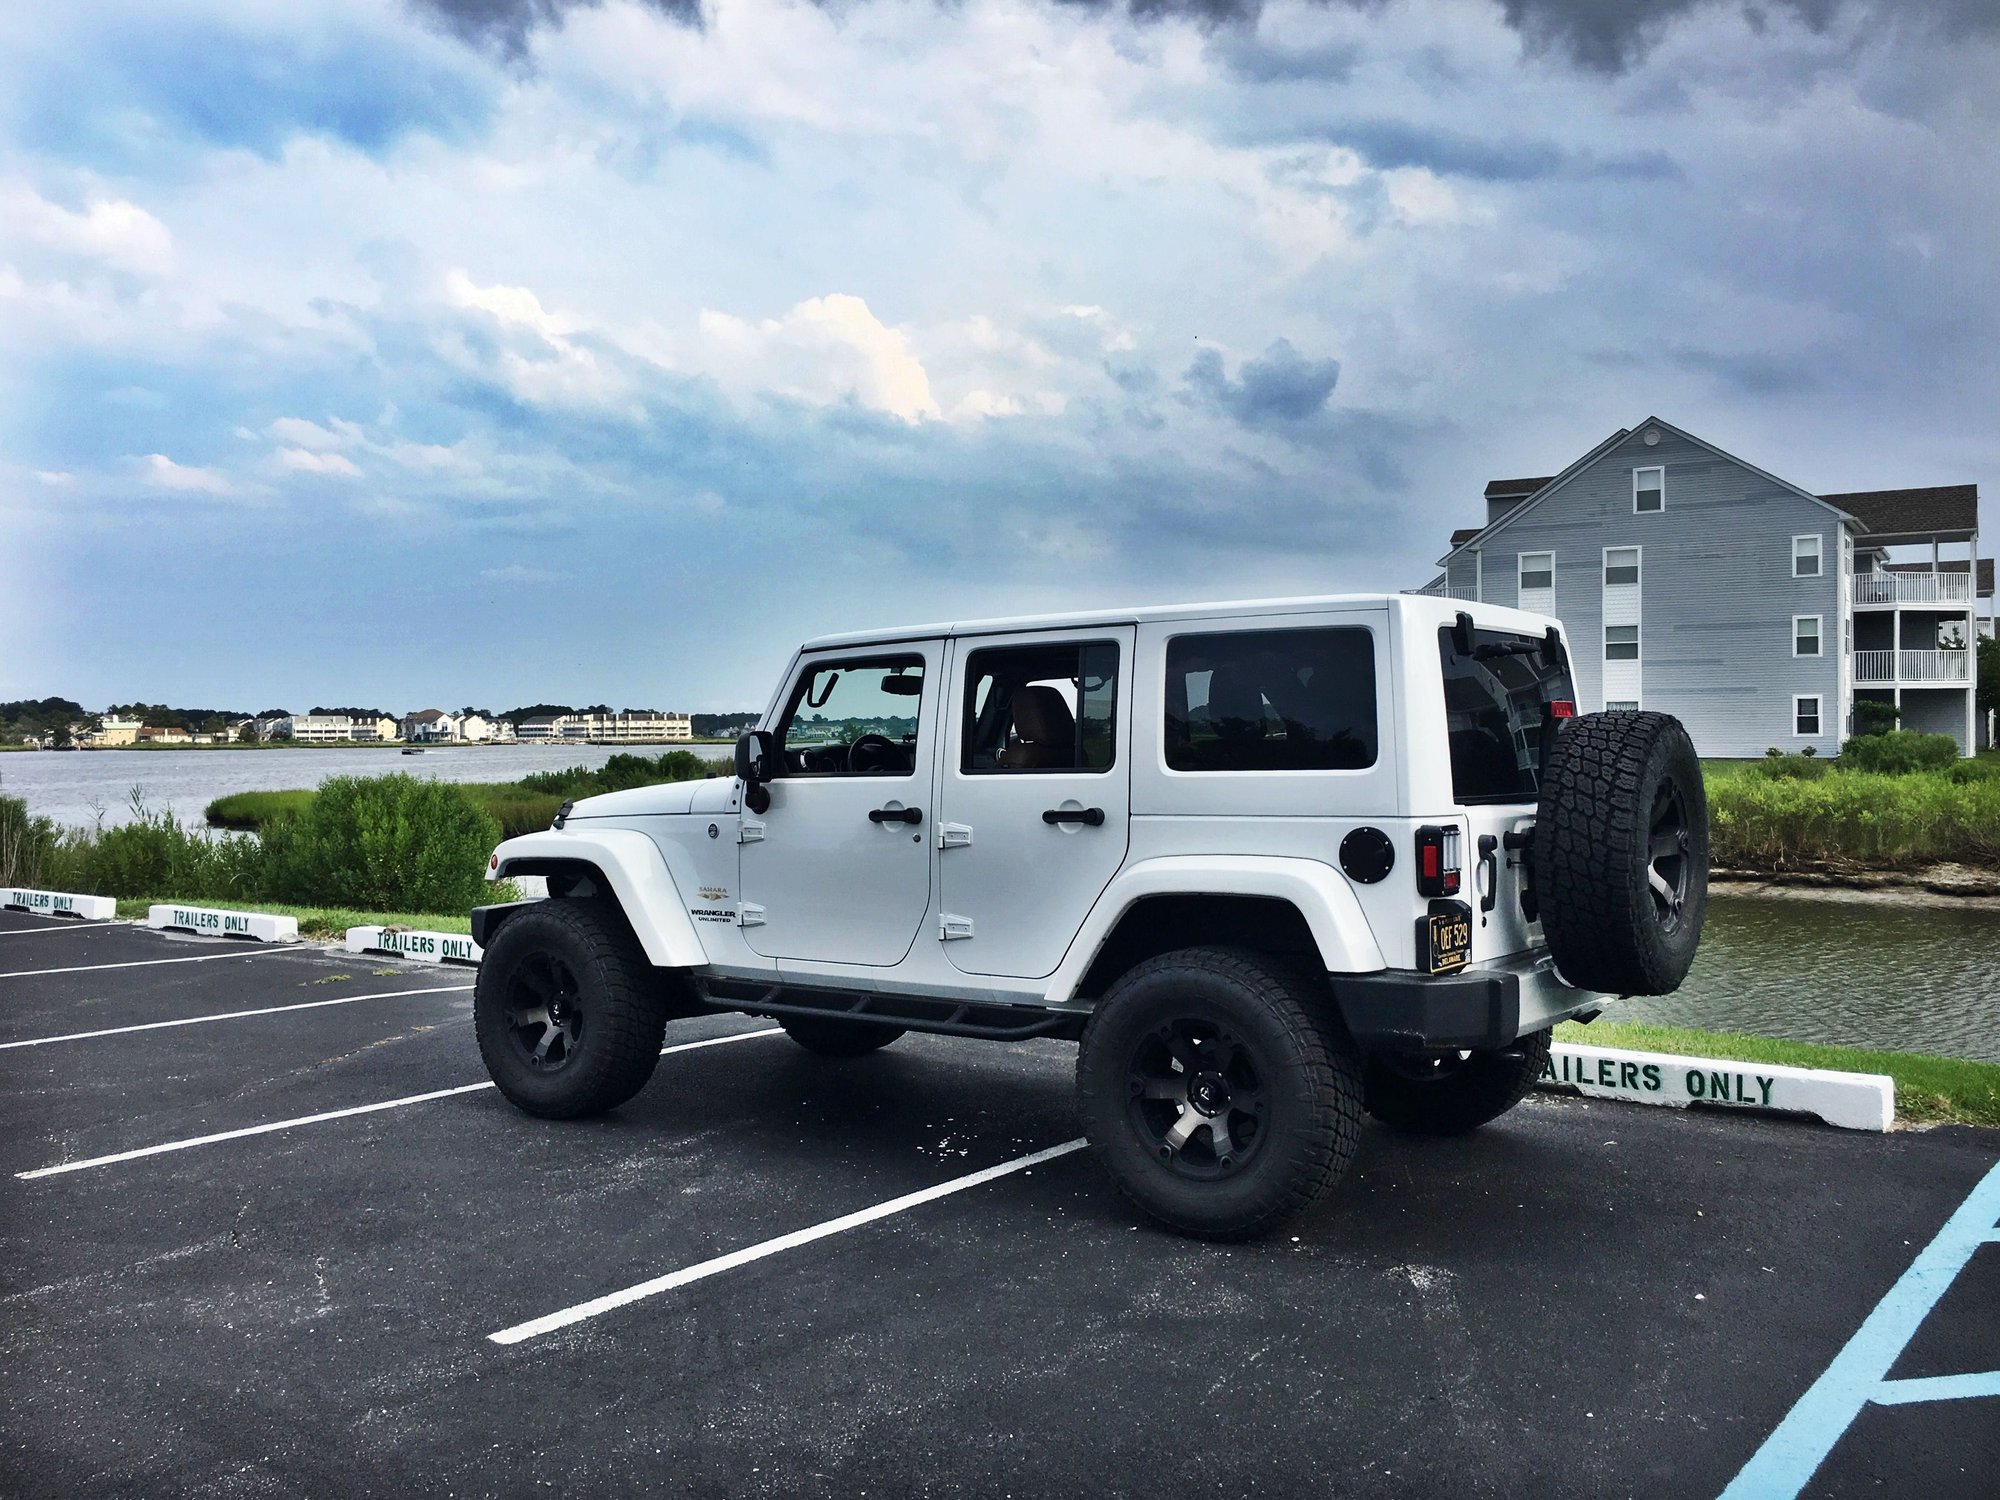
[(1912, 666), (1912, 588)]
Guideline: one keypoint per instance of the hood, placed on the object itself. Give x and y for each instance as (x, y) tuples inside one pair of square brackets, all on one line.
[(671, 797)]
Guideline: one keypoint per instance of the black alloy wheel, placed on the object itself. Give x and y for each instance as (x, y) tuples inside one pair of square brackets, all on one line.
[(544, 1012), (1668, 867), (1197, 1097)]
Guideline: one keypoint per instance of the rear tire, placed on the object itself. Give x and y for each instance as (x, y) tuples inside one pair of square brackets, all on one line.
[(1451, 1093), (1620, 853), (830, 1037), (1216, 1094), (567, 1016)]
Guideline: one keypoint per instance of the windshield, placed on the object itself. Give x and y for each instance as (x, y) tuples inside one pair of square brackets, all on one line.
[(1496, 699)]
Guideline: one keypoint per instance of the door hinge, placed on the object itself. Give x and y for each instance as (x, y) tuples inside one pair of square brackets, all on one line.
[(951, 927), (954, 835), (749, 831), (748, 915)]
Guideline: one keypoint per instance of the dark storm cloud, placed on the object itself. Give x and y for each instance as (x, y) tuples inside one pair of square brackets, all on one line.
[(1278, 388), (1388, 144), (507, 23)]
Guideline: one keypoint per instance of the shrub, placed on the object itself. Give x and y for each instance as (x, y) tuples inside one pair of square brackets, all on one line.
[(154, 854), (1872, 716), (384, 843), (27, 843), (1783, 767), (1899, 752)]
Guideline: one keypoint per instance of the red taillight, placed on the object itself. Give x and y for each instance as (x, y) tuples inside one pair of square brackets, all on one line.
[(1437, 861), (1561, 708)]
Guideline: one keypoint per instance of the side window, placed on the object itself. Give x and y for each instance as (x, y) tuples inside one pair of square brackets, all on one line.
[(1621, 643), (1649, 490), (854, 718), (1805, 556), (1271, 700), (1621, 566), (1041, 708)]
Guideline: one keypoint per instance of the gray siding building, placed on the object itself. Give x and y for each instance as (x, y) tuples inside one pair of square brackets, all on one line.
[(1755, 611)]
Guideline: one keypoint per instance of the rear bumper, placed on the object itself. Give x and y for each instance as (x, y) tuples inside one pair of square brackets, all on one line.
[(1493, 1005)]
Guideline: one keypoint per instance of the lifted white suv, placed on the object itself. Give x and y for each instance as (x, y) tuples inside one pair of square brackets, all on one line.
[(1273, 864)]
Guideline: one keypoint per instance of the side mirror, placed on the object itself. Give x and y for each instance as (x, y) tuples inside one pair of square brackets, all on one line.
[(756, 763)]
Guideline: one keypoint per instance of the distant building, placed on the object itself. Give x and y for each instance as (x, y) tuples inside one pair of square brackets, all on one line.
[(633, 727), (113, 731), (280, 728), (322, 729), (429, 726), (542, 727), (1757, 612), (477, 729), (151, 736)]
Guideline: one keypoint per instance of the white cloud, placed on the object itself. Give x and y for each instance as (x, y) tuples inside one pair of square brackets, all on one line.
[(58, 478), (297, 432), (113, 231), (164, 474), (826, 349), (514, 305), (305, 461)]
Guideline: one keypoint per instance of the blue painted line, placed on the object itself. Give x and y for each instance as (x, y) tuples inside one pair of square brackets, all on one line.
[(1859, 1373), (1938, 1388)]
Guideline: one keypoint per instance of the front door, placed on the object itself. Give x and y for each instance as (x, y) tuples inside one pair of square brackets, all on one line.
[(838, 867), (1034, 795)]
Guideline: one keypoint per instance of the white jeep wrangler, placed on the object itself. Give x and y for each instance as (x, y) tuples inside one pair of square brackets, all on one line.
[(1272, 864)]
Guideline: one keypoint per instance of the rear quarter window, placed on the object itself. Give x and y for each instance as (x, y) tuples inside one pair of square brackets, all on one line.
[(1496, 697), (1271, 700)]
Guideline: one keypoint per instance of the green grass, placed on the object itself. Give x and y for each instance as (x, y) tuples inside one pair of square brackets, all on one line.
[(331, 921), (1929, 1090), (249, 810)]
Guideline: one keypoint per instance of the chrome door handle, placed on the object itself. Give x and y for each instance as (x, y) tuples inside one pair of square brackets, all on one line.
[(1091, 816), (910, 815)]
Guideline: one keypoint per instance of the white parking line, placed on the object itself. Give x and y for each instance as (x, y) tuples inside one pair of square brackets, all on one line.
[(57, 927), (550, 1322), (331, 1114), (232, 1015), (147, 963)]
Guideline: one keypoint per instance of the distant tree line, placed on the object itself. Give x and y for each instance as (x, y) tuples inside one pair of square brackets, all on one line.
[(40, 719), (359, 713), (163, 716)]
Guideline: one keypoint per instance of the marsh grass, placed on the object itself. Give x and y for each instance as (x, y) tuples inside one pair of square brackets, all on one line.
[(1860, 818)]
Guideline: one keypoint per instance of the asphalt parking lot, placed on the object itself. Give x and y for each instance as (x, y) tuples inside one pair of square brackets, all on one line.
[(1585, 1299)]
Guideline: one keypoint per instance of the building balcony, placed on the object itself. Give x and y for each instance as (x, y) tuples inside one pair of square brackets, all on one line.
[(1912, 588), (1912, 667)]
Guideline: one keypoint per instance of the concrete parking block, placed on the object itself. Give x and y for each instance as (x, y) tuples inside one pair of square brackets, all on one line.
[(58, 903), (407, 942), (209, 921), (1852, 1101)]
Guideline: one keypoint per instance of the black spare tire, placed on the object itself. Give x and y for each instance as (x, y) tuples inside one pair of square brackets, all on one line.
[(1620, 852)]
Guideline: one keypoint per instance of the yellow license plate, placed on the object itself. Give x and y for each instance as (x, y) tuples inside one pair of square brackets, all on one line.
[(1451, 942)]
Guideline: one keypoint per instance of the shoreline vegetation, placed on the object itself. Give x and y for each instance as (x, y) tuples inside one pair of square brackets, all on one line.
[(1930, 1090)]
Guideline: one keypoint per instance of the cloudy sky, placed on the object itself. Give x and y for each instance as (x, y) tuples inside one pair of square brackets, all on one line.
[(430, 351)]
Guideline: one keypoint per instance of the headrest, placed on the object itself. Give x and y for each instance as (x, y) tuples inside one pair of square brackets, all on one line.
[(1041, 717)]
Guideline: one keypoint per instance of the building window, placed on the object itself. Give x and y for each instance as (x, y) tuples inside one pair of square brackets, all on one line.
[(1805, 717), (1538, 570), (1622, 705), (1649, 490), (1805, 635), (1805, 556), (1621, 643), (1621, 566)]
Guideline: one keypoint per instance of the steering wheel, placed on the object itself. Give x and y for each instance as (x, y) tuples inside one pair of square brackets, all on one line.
[(874, 752)]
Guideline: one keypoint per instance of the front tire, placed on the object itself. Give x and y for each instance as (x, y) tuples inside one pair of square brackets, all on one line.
[(1214, 1093), (567, 1019), (830, 1037), (1451, 1093)]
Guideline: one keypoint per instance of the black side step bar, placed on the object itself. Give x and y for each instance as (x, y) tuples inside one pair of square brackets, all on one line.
[(1001, 1023)]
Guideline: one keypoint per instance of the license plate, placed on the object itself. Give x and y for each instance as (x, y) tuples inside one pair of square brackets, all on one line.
[(1450, 941)]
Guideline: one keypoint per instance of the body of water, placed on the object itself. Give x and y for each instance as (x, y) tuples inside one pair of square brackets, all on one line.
[(72, 786), (1860, 974)]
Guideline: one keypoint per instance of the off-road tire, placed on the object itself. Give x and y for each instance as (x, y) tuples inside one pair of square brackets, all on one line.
[(830, 1037), (1308, 1083), (621, 1017), (1595, 844), (1452, 1093)]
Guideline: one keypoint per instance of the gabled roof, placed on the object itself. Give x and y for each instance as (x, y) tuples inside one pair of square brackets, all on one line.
[(1944, 507), (1464, 534), (425, 716), (1497, 488), (1604, 447)]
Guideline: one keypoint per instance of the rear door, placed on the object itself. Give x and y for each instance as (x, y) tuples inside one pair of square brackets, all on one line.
[(1497, 697), (1034, 794)]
